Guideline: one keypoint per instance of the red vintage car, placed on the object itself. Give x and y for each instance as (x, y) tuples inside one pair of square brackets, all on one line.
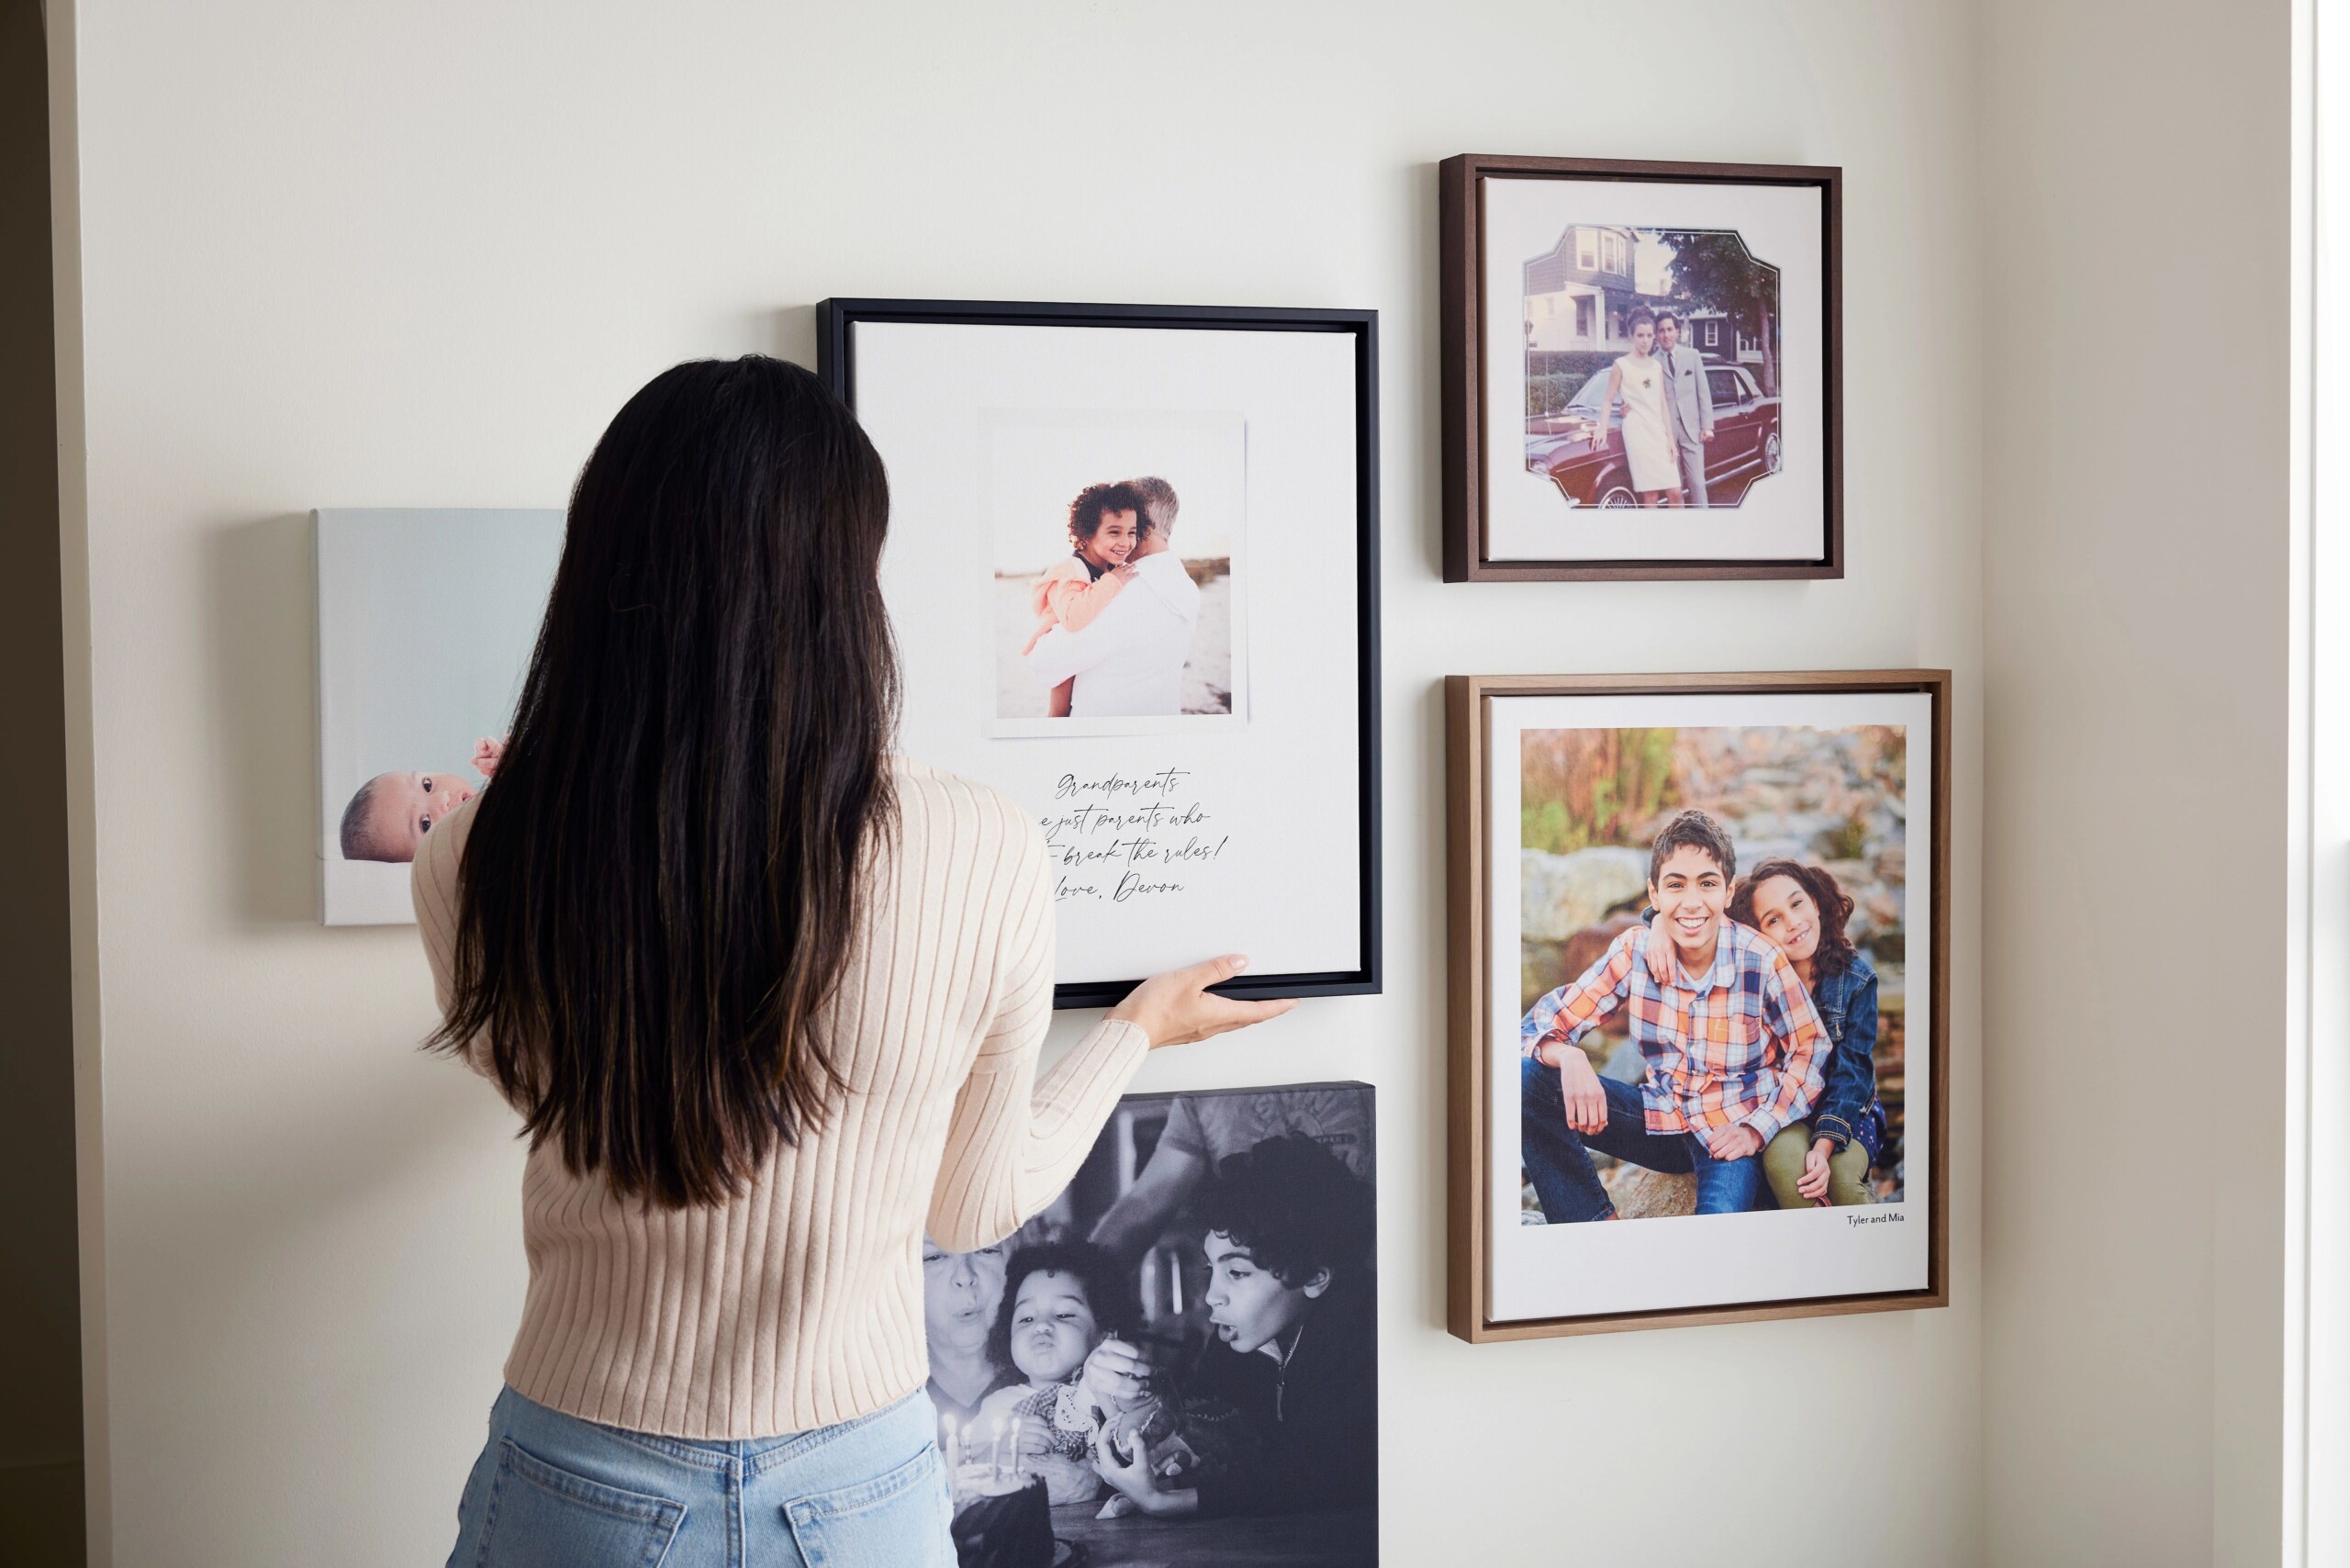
[(1563, 447)]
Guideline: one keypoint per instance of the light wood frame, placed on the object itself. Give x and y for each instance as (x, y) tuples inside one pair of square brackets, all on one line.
[(1467, 732)]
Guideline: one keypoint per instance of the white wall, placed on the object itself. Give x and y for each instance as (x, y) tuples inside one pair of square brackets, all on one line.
[(2136, 528), (418, 254)]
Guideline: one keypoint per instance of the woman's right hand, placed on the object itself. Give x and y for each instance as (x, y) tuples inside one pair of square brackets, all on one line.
[(1176, 1008)]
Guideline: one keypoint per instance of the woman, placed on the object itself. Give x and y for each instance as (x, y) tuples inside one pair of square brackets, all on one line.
[(961, 1292), (767, 999), (1638, 379), (1825, 1160)]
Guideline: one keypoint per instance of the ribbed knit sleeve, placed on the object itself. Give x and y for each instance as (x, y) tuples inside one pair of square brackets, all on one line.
[(1009, 1152), (432, 889)]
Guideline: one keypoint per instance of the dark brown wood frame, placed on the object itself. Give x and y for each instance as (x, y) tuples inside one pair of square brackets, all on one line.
[(1460, 229), (1466, 736)]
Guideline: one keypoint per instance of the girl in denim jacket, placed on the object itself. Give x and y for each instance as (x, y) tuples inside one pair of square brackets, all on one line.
[(1803, 910)]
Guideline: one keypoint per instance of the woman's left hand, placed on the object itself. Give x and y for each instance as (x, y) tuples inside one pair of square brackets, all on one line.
[(1176, 1008)]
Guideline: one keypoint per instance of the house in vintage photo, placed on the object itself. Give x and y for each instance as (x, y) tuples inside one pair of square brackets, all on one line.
[(1716, 335), (1578, 294), (1580, 291)]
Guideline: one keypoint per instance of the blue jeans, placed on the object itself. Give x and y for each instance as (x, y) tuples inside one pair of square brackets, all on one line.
[(552, 1491), (1558, 1158)]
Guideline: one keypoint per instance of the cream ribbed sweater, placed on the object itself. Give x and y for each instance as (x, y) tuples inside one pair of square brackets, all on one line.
[(800, 1304)]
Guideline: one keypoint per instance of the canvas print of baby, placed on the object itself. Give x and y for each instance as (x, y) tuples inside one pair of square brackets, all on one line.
[(389, 815)]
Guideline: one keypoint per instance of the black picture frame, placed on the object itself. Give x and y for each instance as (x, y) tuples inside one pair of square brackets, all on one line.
[(1461, 310), (836, 362)]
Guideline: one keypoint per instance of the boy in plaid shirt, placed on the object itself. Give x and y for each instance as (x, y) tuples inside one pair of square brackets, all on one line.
[(1734, 1048)]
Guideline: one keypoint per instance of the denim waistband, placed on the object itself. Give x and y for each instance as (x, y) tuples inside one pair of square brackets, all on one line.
[(751, 1455)]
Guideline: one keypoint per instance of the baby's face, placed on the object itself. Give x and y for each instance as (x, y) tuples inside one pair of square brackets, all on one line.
[(1052, 1326), (407, 804)]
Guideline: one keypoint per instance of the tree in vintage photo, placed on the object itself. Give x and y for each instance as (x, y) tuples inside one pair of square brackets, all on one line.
[(1712, 268)]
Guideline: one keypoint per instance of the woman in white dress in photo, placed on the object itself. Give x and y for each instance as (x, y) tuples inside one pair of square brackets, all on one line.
[(1639, 379)]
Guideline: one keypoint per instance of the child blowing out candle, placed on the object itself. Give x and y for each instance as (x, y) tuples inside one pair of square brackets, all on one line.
[(1059, 1302)]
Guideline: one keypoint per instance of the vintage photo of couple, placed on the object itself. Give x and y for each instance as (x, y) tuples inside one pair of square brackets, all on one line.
[(1652, 367), (1177, 1361), (1115, 596), (1735, 1042)]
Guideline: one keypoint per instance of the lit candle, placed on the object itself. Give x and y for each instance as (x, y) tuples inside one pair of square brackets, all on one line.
[(953, 1453), (1015, 1445)]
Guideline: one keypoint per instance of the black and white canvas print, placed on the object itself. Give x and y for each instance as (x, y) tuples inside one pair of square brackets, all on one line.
[(426, 621), (1177, 1361), (1116, 543)]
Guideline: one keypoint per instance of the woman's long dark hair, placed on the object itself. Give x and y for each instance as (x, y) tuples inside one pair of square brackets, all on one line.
[(662, 886), (1834, 954)]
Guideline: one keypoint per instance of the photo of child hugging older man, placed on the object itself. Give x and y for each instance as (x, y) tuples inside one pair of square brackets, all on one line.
[(1712, 947)]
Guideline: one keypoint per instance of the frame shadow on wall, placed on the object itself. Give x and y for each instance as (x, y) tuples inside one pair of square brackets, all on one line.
[(261, 640)]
